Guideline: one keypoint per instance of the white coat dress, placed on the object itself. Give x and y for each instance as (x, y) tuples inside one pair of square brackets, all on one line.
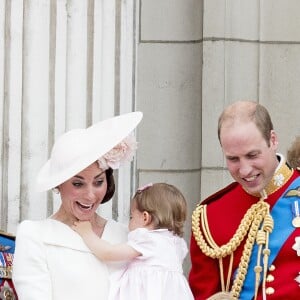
[(52, 262)]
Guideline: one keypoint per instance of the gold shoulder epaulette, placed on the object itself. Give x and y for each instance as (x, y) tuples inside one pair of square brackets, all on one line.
[(4, 233)]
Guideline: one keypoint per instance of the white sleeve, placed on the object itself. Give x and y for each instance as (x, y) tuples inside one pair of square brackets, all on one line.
[(30, 273)]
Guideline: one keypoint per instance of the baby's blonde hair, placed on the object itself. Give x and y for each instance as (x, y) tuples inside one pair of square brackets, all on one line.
[(166, 205)]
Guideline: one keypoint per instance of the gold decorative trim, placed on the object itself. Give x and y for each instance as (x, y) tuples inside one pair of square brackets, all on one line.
[(4, 233), (281, 176), (6, 272)]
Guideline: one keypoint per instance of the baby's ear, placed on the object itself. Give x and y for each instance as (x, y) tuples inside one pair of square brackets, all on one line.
[(147, 218)]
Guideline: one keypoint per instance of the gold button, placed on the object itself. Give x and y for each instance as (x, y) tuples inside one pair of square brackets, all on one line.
[(270, 278), (272, 268), (270, 291)]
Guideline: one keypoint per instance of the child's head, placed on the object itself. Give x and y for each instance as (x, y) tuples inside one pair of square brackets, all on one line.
[(293, 153), (164, 204)]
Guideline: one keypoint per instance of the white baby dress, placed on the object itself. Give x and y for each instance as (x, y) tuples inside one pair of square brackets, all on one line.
[(156, 274)]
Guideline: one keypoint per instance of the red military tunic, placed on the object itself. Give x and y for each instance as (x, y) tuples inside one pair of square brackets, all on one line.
[(225, 210)]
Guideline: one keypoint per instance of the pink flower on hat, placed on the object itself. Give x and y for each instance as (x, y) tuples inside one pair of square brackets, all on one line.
[(121, 153)]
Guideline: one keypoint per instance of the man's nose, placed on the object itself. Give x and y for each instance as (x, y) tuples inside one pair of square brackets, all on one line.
[(245, 168)]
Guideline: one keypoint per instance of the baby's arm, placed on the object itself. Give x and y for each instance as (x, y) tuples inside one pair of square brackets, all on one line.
[(101, 248)]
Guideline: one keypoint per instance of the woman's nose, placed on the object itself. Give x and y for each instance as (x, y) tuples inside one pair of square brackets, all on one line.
[(90, 194)]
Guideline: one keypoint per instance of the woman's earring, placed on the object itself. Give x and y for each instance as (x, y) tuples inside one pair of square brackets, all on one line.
[(55, 190)]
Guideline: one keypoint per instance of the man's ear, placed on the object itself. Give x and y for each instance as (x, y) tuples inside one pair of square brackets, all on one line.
[(147, 218), (274, 140)]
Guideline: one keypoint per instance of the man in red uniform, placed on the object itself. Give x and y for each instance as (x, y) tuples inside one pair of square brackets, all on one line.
[(245, 242)]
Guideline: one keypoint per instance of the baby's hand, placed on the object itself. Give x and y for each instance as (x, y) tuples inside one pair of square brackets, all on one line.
[(82, 227)]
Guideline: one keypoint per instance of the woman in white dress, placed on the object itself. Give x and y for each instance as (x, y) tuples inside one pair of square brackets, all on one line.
[(51, 261), (155, 249)]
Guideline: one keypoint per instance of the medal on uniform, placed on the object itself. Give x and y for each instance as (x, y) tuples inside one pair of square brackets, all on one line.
[(296, 219), (6, 292)]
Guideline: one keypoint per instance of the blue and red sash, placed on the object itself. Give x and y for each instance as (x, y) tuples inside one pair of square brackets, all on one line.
[(282, 214)]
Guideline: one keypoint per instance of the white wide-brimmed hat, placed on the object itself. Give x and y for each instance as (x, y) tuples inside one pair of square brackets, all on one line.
[(78, 148)]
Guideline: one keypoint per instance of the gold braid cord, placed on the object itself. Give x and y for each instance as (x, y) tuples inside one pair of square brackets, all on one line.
[(256, 225)]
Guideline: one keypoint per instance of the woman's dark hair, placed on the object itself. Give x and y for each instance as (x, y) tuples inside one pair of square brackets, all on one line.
[(110, 185)]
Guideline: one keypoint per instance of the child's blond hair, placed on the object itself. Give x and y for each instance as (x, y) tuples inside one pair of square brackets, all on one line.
[(293, 153), (166, 205)]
